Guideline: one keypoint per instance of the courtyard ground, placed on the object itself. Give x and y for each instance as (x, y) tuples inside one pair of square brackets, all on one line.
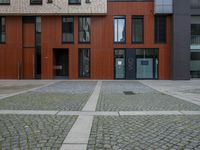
[(99, 115)]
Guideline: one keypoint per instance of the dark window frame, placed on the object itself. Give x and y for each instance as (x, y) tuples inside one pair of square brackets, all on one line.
[(74, 3), (36, 3), (81, 42), (1, 32), (66, 42), (79, 71), (132, 30), (157, 36), (5, 3), (119, 17)]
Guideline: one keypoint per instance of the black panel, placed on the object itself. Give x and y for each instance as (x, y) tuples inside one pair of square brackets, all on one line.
[(130, 64)]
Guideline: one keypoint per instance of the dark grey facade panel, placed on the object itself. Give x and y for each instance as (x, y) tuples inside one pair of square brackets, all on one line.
[(181, 40)]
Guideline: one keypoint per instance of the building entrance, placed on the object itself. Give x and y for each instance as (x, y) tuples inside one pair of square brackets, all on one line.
[(61, 64)]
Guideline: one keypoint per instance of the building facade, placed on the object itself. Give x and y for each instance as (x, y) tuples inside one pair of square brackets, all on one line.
[(99, 39)]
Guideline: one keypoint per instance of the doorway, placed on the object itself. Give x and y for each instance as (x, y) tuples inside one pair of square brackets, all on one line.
[(61, 64)]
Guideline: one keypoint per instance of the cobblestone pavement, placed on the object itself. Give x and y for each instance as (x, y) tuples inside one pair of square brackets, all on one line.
[(69, 96), (112, 98), (34, 132), (145, 132)]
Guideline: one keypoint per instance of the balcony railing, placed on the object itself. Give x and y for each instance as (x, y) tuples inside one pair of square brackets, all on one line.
[(195, 40)]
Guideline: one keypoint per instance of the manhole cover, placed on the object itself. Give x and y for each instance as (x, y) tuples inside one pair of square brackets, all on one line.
[(129, 93)]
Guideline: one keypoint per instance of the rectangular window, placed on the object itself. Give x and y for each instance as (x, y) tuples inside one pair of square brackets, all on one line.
[(67, 29), (84, 29), (147, 63), (4, 2), (36, 2), (2, 29), (74, 2), (119, 29), (160, 29), (195, 34), (138, 29), (84, 62)]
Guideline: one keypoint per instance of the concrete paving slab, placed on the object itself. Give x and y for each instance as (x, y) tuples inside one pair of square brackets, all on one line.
[(92, 102), (28, 112), (148, 113), (73, 147), (80, 131), (88, 113)]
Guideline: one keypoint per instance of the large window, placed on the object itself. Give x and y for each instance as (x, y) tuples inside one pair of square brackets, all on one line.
[(195, 64), (147, 63), (74, 2), (84, 29), (160, 29), (4, 2), (138, 29), (36, 2), (2, 29), (67, 29), (119, 29), (84, 62)]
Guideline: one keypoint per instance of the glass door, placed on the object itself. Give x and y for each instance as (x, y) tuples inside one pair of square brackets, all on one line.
[(119, 63)]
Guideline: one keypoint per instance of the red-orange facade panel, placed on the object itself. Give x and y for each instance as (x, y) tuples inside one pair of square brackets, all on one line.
[(20, 49)]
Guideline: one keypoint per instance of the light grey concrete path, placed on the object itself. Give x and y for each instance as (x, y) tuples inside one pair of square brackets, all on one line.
[(92, 102), (186, 90), (10, 88), (97, 113), (78, 136)]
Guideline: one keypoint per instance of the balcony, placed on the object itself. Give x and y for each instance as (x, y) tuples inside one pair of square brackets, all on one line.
[(195, 42)]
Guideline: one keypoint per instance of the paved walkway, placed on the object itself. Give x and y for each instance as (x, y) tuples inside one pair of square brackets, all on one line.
[(71, 115)]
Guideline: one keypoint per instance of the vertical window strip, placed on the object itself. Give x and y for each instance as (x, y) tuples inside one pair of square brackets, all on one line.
[(67, 29), (2, 29)]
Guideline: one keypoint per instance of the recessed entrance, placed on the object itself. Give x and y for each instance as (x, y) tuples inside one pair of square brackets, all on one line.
[(61, 63)]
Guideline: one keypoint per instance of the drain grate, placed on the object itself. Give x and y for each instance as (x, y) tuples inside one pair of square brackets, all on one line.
[(129, 93)]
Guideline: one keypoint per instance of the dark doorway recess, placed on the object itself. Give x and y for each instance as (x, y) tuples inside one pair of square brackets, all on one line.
[(61, 63)]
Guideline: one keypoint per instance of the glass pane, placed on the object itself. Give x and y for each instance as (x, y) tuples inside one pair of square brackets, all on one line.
[(84, 62), (147, 63), (84, 29), (137, 30), (68, 29), (119, 29)]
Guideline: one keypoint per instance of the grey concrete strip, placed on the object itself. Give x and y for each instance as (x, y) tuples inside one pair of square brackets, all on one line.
[(88, 113), (92, 102), (150, 113), (190, 112), (97, 113), (80, 131), (25, 91), (28, 112), (74, 147)]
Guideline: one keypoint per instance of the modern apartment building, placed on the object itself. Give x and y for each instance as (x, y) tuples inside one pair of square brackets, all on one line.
[(99, 39)]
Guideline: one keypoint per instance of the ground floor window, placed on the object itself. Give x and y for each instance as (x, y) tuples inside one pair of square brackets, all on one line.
[(195, 64), (84, 62), (136, 63), (146, 63)]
